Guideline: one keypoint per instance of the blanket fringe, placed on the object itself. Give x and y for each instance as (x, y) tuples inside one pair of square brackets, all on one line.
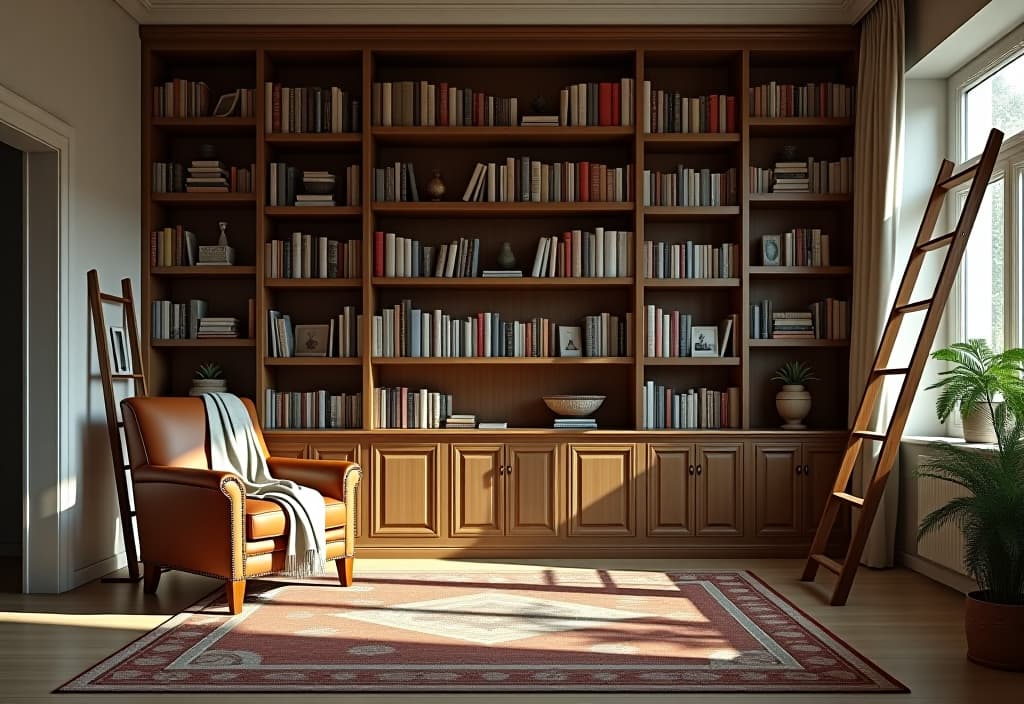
[(310, 565)]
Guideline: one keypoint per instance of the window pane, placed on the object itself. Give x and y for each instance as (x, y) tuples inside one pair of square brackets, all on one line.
[(982, 272), (998, 102)]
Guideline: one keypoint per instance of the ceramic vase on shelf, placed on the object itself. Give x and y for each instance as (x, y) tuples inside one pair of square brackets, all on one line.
[(506, 258), (793, 403), (435, 186)]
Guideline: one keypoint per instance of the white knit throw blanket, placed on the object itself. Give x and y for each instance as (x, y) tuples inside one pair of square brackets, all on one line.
[(234, 447)]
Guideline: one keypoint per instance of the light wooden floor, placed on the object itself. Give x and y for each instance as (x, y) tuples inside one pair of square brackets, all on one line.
[(909, 625)]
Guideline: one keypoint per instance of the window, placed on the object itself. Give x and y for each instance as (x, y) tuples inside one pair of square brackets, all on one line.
[(996, 101)]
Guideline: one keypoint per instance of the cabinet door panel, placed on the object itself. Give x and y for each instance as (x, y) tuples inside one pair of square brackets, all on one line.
[(669, 489), (348, 451), (822, 462), (777, 505), (476, 495), (286, 448), (719, 486), (404, 482), (531, 485), (601, 490)]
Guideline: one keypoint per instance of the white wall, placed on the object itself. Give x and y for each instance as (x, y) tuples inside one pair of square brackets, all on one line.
[(80, 61)]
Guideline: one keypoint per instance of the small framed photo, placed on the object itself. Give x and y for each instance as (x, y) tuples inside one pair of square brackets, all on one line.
[(570, 341), (771, 250), (704, 341), (120, 354), (311, 340)]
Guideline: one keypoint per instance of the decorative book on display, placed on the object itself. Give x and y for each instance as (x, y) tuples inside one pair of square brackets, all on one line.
[(576, 423)]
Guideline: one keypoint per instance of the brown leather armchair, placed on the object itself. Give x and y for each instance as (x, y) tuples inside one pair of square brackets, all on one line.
[(195, 518)]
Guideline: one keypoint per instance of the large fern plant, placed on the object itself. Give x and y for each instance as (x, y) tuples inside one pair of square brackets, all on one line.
[(979, 375), (991, 515)]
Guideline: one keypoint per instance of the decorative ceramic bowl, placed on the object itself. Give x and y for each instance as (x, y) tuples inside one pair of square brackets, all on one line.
[(573, 404), (320, 188)]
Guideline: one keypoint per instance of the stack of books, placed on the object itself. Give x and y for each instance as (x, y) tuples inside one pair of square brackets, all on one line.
[(791, 177), (460, 420), (493, 425), (575, 422), (320, 181), (792, 325), (222, 327), (207, 176), (539, 120), (501, 274)]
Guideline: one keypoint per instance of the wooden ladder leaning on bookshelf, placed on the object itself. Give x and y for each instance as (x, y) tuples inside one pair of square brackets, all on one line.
[(954, 243), (115, 426)]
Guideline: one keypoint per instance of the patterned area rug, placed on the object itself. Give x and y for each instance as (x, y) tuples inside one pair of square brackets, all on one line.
[(550, 630)]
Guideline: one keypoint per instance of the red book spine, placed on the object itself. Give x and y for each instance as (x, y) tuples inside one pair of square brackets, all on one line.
[(583, 180), (480, 337), (658, 345), (712, 121), (233, 187), (442, 109), (567, 265), (479, 110), (179, 239), (604, 107), (153, 260), (730, 114), (378, 253), (674, 332), (616, 104)]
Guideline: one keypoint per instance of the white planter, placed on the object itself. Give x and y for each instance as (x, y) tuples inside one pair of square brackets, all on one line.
[(793, 403), (978, 425), (202, 386)]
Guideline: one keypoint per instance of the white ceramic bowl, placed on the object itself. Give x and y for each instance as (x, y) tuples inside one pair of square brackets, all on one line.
[(573, 404)]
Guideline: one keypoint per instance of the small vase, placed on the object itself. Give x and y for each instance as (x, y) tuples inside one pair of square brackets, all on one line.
[(793, 403), (506, 259), (435, 186), (203, 386)]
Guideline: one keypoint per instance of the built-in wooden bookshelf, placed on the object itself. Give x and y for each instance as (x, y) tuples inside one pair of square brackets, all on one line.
[(524, 63)]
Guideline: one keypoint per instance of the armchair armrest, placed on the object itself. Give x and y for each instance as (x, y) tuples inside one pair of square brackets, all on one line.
[(326, 476)]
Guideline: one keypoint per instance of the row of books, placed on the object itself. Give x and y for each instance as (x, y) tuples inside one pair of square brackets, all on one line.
[(173, 246), (402, 407), (689, 188), (395, 183), (203, 176), (461, 421), (688, 260), (522, 179), (811, 176), (671, 333), (774, 99), (222, 327), (341, 336), (668, 408), (426, 104), (397, 256), (285, 185), (831, 319), (825, 320), (577, 253), (597, 104), (183, 98), (671, 111), (801, 246), (310, 109), (314, 410), (176, 321), (308, 256)]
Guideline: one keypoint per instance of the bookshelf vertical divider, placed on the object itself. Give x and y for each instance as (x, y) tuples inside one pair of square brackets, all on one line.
[(367, 250), (745, 236), (639, 344)]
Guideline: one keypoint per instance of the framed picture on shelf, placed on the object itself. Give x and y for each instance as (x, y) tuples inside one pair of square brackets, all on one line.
[(570, 341), (704, 341), (771, 250), (311, 340), (120, 354)]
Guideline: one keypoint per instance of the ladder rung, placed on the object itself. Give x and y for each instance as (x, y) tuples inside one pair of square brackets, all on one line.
[(956, 179), (828, 563), (868, 435), (848, 498), (113, 299), (126, 376), (892, 371), (913, 307), (936, 242), (120, 424)]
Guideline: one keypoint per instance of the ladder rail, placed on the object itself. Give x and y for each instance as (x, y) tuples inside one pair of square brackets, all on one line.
[(894, 426)]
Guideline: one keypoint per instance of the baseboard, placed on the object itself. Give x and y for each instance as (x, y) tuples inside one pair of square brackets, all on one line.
[(96, 570), (942, 575)]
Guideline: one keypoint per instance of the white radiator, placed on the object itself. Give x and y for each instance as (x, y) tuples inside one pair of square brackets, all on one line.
[(944, 546)]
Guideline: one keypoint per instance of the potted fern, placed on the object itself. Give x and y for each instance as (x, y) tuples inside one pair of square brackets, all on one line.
[(991, 517), (978, 381), (208, 378), (793, 402)]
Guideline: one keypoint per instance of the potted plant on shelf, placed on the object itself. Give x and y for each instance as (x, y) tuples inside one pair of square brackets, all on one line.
[(793, 402), (979, 381), (991, 517), (209, 377)]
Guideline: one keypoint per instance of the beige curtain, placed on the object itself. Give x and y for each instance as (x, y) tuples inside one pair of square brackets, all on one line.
[(877, 162)]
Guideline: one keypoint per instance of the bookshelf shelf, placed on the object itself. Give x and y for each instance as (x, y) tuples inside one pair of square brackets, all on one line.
[(820, 272), (526, 282), (186, 125), (463, 209), (312, 211), (691, 361), (798, 343), (314, 139), (784, 126), (661, 212), (787, 200), (312, 361), (459, 136), (503, 361), (203, 271), (203, 199), (297, 284), (673, 141), (692, 283), (229, 342)]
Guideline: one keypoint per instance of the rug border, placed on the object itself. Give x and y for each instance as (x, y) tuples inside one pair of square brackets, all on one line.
[(686, 689)]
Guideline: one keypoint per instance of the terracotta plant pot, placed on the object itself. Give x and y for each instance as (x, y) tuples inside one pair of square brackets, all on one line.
[(978, 425), (994, 633), (793, 403)]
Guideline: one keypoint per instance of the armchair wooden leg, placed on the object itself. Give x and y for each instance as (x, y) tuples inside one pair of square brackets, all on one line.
[(151, 577), (236, 595), (344, 566)]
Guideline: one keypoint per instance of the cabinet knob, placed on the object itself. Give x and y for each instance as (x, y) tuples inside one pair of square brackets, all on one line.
[(698, 469), (807, 470), (691, 469), (799, 469)]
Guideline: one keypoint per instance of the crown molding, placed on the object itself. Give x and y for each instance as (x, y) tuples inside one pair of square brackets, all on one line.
[(461, 12)]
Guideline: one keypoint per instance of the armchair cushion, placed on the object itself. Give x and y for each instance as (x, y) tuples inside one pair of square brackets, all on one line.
[(265, 519)]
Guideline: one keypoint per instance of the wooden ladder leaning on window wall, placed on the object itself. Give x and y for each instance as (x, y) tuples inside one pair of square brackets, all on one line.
[(134, 373), (954, 243)]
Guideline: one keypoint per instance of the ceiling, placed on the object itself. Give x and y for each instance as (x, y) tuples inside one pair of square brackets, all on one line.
[(603, 12)]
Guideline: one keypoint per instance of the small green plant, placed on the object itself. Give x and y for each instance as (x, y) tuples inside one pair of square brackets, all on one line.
[(210, 370), (979, 376), (794, 374)]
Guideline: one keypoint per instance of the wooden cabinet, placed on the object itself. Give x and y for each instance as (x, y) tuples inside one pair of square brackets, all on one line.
[(404, 487), (792, 481), (504, 490), (602, 499), (335, 450), (280, 447), (695, 489)]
